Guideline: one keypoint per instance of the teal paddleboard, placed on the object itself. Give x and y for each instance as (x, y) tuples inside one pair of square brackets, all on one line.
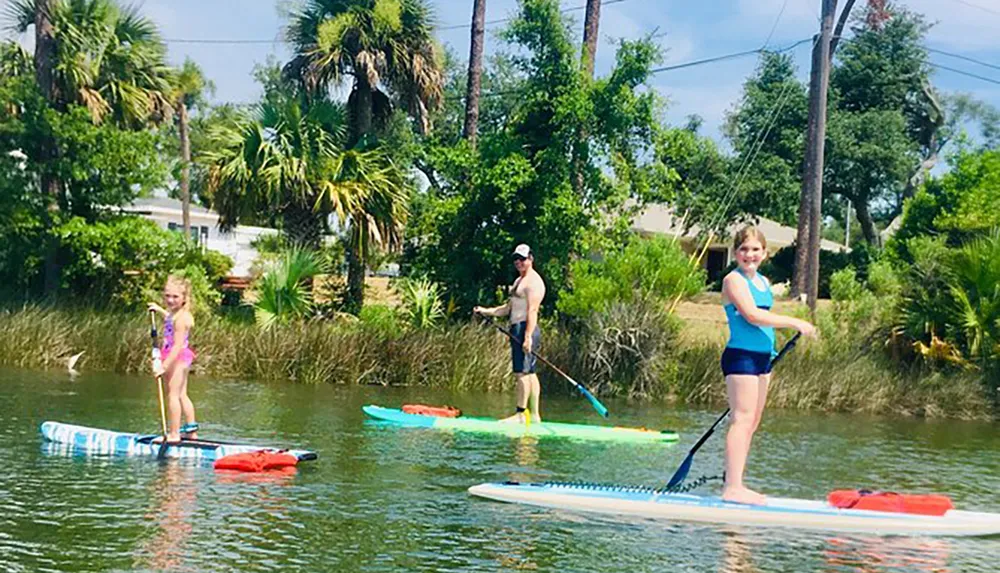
[(542, 430)]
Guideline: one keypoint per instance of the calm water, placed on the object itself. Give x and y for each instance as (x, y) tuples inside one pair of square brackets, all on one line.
[(389, 499)]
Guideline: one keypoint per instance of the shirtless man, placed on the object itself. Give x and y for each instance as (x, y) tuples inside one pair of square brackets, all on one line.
[(526, 296)]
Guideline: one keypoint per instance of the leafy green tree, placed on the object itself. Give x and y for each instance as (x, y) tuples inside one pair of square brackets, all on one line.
[(767, 130), (516, 186), (284, 292), (650, 269)]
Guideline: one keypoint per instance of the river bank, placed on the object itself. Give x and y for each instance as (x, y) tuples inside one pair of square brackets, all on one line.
[(829, 375)]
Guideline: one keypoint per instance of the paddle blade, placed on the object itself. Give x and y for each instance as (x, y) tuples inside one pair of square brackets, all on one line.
[(682, 472), (593, 401)]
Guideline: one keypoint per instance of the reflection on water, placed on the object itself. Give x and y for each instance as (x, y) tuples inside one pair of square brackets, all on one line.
[(887, 555), (382, 498), (174, 502)]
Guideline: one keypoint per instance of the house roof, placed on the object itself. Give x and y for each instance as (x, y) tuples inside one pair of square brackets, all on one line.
[(661, 219)]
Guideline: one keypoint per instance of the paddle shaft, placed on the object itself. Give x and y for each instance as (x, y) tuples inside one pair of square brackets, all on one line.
[(601, 409), (159, 383), (681, 472)]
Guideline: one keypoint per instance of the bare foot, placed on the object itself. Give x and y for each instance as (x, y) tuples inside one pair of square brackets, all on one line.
[(536, 419), (517, 418), (173, 438), (743, 495), (191, 436)]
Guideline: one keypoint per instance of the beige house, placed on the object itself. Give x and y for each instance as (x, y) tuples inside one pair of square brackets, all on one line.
[(661, 220)]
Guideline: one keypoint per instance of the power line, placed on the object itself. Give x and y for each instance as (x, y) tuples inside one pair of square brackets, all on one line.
[(448, 27), (964, 73), (727, 57), (966, 58), (502, 20)]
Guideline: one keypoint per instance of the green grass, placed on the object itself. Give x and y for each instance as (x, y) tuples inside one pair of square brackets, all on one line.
[(829, 375)]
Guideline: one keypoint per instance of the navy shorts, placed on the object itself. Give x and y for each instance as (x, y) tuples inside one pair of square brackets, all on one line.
[(739, 361), (520, 363)]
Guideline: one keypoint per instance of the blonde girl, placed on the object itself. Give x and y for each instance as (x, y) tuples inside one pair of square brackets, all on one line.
[(746, 361), (177, 356)]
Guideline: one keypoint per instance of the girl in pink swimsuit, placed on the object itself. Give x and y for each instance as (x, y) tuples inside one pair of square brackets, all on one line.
[(177, 356)]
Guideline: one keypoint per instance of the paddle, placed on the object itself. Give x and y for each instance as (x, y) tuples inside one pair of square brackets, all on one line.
[(586, 393), (162, 452), (681, 474)]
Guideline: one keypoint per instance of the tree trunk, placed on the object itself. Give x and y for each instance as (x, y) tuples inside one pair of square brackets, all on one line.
[(591, 26), (865, 220), (302, 225), (355, 280), (182, 120), (469, 131), (51, 186), (814, 152), (361, 114)]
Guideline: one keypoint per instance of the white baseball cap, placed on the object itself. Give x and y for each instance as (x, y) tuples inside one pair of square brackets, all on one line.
[(522, 250)]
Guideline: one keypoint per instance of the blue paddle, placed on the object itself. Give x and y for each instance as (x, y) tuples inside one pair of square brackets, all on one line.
[(586, 393), (681, 474)]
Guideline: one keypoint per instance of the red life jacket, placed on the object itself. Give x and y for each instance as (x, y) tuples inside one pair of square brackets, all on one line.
[(923, 504), (439, 411), (259, 461)]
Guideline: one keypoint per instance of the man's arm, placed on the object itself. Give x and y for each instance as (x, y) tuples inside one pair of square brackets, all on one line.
[(502, 310)]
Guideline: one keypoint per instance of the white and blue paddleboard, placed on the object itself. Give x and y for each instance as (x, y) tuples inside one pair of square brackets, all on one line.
[(777, 512)]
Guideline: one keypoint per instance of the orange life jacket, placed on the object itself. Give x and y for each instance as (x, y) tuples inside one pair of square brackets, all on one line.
[(259, 461), (439, 411), (923, 504)]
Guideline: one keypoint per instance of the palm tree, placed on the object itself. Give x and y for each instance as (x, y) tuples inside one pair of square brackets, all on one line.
[(189, 86), (475, 79), (99, 55), (381, 44), (105, 57), (286, 156)]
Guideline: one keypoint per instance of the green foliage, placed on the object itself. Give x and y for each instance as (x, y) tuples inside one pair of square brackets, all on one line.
[(655, 270), (108, 58), (422, 305), (382, 319), (767, 130), (126, 260), (959, 205), (284, 292), (976, 292), (518, 184)]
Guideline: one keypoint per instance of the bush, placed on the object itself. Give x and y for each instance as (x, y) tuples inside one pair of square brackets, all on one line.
[(284, 293), (421, 302), (125, 260), (646, 269), (780, 266)]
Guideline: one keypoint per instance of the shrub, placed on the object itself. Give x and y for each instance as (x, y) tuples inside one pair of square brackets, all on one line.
[(284, 293), (646, 269), (422, 305)]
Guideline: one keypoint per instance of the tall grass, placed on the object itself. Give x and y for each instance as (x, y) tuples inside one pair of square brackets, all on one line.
[(337, 352), (833, 374)]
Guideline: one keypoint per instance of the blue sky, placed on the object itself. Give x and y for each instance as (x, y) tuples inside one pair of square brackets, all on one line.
[(688, 30)]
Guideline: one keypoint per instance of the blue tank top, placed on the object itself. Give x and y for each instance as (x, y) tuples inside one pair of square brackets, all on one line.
[(744, 335)]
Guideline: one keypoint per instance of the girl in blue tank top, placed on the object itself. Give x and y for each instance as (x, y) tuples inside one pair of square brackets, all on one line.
[(746, 361)]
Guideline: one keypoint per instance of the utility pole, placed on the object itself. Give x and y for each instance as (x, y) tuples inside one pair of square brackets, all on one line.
[(816, 136)]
